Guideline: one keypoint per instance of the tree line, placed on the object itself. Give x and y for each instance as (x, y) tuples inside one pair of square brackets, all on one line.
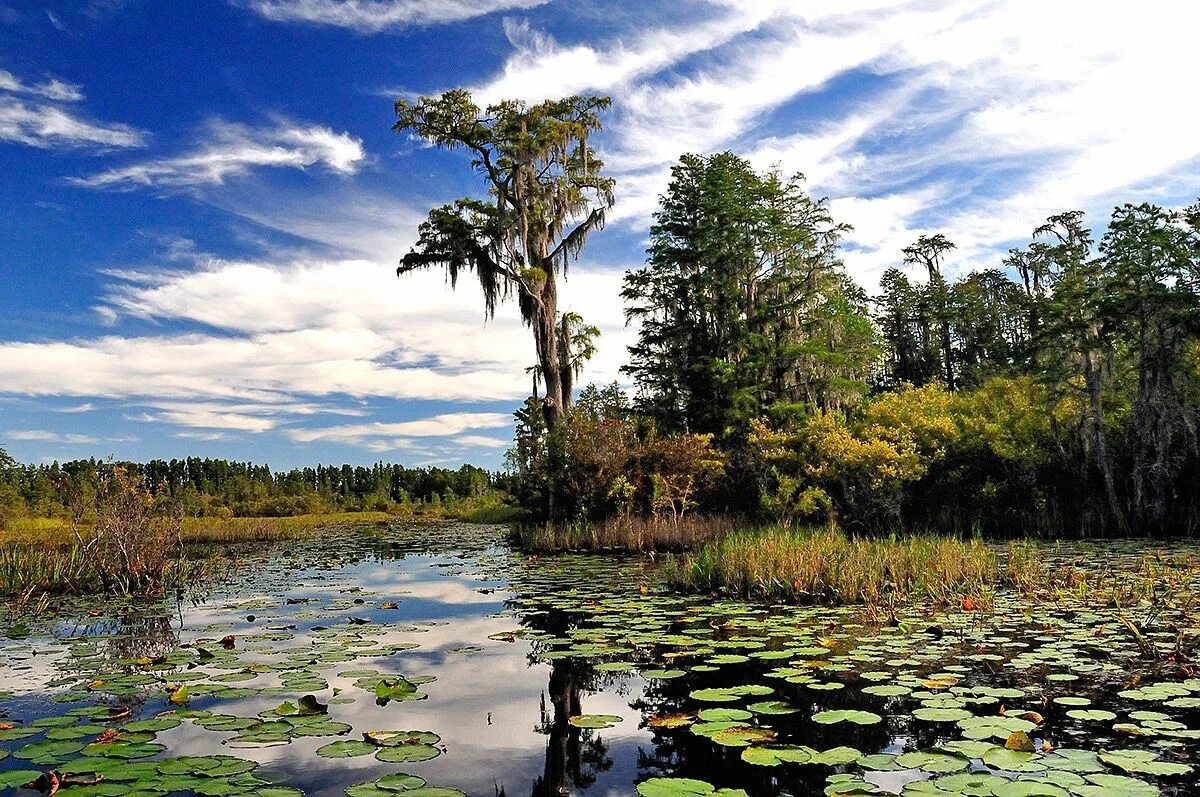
[(1056, 392), (218, 487)]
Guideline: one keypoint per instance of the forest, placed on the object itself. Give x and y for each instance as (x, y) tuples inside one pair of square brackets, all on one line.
[(1054, 392), (218, 488)]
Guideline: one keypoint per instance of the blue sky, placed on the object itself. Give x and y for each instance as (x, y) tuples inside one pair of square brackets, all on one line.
[(204, 202)]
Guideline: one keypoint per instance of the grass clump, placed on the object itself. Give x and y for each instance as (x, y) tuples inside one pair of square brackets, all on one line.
[(633, 533), (829, 567)]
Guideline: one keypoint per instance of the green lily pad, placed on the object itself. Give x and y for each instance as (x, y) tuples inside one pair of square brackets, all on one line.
[(847, 715), (346, 748), (594, 720)]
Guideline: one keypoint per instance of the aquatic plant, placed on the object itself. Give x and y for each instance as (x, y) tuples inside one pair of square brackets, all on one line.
[(829, 566), (627, 533)]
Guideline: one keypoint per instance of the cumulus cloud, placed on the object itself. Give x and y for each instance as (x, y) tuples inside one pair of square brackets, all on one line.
[(234, 150), (375, 16)]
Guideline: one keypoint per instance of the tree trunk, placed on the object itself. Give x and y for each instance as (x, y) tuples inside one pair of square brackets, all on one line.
[(1092, 379), (947, 352), (550, 360)]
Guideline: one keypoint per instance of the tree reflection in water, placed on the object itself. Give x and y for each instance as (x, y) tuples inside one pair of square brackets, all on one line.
[(574, 756)]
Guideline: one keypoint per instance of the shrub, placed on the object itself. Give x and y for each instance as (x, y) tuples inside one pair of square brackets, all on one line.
[(134, 543)]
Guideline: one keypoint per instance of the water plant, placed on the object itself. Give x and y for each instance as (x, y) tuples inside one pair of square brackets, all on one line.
[(821, 565)]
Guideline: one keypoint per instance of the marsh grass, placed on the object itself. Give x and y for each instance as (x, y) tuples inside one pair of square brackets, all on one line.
[(1143, 579), (829, 567), (28, 570), (269, 529), (129, 546), (492, 514), (634, 534)]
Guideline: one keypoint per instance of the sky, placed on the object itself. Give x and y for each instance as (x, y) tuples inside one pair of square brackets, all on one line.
[(204, 202)]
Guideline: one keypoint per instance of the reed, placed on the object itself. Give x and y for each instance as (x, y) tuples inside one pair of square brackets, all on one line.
[(633, 534), (829, 567)]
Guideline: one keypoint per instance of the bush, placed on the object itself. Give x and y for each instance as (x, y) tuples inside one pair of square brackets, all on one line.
[(134, 544)]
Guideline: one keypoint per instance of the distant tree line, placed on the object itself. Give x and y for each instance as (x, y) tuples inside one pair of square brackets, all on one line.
[(218, 487)]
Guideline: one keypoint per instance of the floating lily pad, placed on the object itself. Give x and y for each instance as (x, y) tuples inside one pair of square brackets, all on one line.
[(346, 748), (847, 715)]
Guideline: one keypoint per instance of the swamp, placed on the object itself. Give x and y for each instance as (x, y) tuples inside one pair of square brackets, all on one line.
[(733, 399), (431, 659)]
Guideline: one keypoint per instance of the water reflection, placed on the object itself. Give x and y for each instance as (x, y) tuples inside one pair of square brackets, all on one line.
[(510, 646)]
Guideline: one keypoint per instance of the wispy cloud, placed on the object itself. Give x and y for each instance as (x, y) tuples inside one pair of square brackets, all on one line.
[(52, 89), (45, 436), (380, 436), (542, 68), (87, 406), (42, 115), (333, 332), (996, 112), (234, 150), (204, 418), (375, 16), (478, 440)]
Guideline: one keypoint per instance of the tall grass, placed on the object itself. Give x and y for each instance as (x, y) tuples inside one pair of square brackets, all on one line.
[(28, 570), (269, 529), (644, 534), (828, 567)]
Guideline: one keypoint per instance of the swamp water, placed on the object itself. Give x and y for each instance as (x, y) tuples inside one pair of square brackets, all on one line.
[(431, 660)]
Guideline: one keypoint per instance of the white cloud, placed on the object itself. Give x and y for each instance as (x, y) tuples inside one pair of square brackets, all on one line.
[(379, 436), (39, 115), (542, 69), (53, 89), (482, 441), (234, 150), (331, 330), (44, 436), (374, 16), (44, 125), (203, 418), (1012, 109)]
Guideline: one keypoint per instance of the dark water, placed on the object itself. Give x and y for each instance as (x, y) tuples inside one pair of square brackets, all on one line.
[(508, 650)]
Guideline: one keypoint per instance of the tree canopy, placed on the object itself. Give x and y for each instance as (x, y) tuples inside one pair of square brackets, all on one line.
[(546, 195)]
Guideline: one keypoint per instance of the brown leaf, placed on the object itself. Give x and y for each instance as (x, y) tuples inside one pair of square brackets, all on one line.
[(81, 780), (227, 642), (388, 738), (1020, 742), (47, 783), (671, 721)]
